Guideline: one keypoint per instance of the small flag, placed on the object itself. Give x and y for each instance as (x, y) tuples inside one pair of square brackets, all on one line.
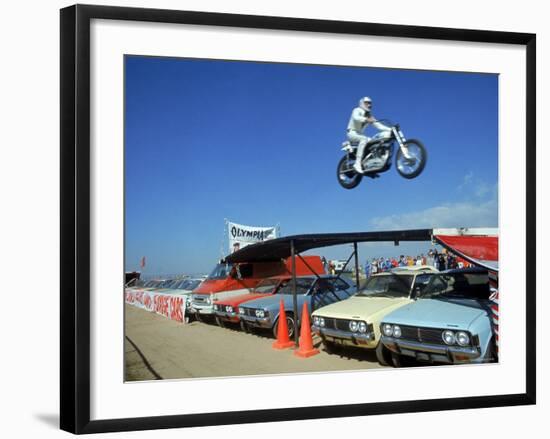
[(142, 262)]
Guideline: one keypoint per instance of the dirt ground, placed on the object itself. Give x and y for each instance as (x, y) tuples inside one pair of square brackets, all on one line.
[(159, 348)]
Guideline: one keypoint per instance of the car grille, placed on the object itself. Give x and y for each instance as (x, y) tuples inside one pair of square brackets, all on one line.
[(340, 324), (200, 298), (250, 312), (426, 335)]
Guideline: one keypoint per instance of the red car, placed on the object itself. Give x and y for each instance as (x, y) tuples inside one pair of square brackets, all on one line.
[(226, 310), (229, 280)]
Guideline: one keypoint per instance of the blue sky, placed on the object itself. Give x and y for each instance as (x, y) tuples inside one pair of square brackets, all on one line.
[(258, 143)]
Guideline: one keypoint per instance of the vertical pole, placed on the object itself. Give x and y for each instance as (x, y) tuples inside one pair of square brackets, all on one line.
[(356, 265), (294, 296)]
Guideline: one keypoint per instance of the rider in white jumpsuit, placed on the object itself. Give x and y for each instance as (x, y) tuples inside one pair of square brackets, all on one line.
[(361, 118)]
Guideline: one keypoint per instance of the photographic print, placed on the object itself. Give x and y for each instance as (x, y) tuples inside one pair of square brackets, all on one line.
[(288, 218)]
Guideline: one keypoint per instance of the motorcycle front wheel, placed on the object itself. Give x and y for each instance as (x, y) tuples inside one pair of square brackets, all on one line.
[(347, 177), (413, 167)]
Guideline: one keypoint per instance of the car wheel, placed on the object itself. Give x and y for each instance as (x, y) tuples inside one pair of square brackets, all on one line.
[(396, 360), (384, 355), (401, 360), (290, 325), (491, 355), (330, 347), (220, 322), (244, 326), (198, 317)]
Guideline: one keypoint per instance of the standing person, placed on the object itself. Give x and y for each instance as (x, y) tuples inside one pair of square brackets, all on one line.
[(361, 117), (452, 262), (442, 262), (430, 258), (374, 266), (367, 269), (436, 260)]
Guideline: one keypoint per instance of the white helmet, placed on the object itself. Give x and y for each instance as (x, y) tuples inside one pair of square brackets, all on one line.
[(366, 103)]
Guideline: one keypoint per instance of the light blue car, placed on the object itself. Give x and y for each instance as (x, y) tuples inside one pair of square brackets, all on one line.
[(315, 291), (451, 322)]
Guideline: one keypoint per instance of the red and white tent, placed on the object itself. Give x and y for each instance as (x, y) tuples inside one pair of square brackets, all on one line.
[(478, 246)]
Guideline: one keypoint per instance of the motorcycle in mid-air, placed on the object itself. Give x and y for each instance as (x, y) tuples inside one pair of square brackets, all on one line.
[(410, 159)]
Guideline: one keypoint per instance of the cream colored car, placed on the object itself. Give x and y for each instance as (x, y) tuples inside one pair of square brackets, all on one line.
[(356, 321)]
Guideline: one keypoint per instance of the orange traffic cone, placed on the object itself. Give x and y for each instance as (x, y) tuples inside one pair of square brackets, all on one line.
[(283, 342), (306, 341)]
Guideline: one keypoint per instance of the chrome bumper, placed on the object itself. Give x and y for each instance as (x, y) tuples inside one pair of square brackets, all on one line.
[(355, 338), (201, 309), (264, 322), (431, 352), (232, 316)]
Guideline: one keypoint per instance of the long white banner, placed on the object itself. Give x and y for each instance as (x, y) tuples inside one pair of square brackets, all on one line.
[(171, 306), (240, 236)]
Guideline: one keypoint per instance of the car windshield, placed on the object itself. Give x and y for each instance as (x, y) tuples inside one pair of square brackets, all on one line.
[(302, 286), (461, 285), (180, 284), (151, 284), (220, 271), (388, 285), (191, 284), (168, 283), (266, 286)]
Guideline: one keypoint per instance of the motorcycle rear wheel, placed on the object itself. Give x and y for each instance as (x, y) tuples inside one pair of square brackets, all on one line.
[(347, 177), (405, 167)]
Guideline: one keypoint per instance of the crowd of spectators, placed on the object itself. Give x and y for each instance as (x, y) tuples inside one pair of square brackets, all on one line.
[(440, 260)]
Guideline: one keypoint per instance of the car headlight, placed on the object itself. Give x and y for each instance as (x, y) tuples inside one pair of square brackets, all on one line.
[(228, 308), (321, 321), (362, 327), (216, 307), (396, 331), (448, 337), (316, 321), (462, 338), (387, 329), (241, 310), (260, 313), (353, 325)]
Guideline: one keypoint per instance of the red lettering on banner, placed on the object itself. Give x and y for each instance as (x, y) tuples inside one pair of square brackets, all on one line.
[(161, 305), (172, 307), (176, 304), (130, 297), (147, 302), (139, 297)]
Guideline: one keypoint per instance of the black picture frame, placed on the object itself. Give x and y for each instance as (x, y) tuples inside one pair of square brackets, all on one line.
[(75, 217)]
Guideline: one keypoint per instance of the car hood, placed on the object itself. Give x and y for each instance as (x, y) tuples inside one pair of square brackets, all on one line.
[(438, 313), (210, 286), (237, 300), (174, 291), (273, 301), (361, 307)]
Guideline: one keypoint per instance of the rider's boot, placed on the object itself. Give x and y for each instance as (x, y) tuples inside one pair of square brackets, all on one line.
[(360, 150)]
